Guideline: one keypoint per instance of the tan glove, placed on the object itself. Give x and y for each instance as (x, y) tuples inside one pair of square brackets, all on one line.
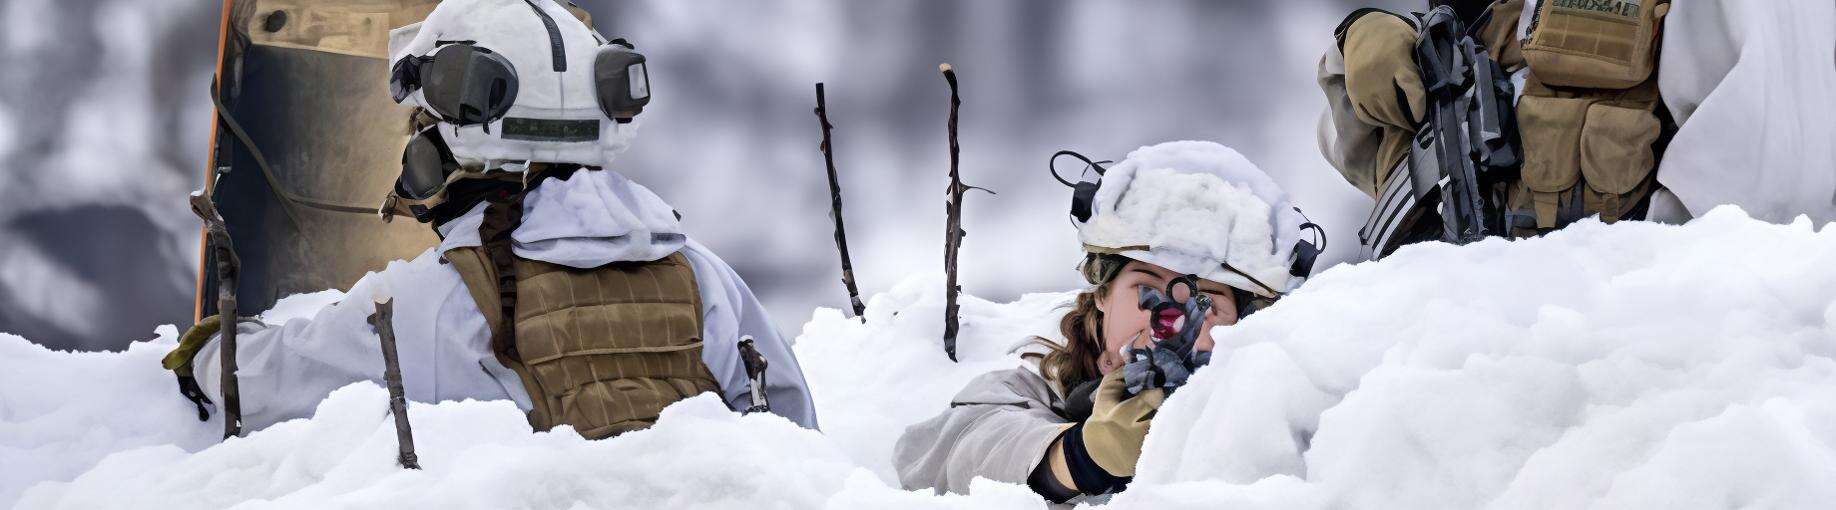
[(1119, 423), (1380, 65), (179, 360)]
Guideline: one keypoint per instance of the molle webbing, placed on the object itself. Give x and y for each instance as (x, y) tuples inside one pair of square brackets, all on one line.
[(503, 213), (610, 347), (603, 349), (1604, 44)]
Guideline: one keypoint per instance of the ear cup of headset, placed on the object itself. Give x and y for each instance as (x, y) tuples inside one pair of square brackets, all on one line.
[(468, 84), (1083, 198), (622, 80), (1305, 253)]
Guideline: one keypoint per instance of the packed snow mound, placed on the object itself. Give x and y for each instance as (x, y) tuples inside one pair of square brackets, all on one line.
[(62, 412), (1632, 365), (109, 430), (474, 455), (1626, 365)]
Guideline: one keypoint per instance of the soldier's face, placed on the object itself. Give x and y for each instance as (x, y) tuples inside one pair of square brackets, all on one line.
[(1125, 323)]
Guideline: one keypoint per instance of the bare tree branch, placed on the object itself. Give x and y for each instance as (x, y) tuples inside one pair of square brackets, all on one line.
[(835, 206), (384, 322), (953, 210), (228, 266)]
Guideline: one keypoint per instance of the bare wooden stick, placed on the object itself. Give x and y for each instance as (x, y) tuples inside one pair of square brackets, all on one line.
[(953, 211), (228, 266), (835, 206), (383, 321)]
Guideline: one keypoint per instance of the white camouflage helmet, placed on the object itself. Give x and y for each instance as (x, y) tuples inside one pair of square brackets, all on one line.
[(556, 115), (1199, 208)]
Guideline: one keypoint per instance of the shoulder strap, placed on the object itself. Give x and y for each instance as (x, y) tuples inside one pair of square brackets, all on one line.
[(502, 214), (492, 266)]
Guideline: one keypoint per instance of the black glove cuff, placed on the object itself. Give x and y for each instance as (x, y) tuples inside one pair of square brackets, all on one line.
[(188, 386), (1044, 483), (1089, 477)]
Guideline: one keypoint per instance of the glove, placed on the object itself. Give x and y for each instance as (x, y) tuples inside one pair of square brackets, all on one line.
[(1118, 424), (1380, 76), (179, 360), (1098, 454)]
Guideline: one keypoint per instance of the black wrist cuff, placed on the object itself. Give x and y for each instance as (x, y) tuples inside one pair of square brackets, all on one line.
[(1044, 483), (1089, 477)]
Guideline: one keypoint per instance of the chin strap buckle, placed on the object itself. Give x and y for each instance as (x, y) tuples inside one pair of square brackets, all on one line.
[(387, 210)]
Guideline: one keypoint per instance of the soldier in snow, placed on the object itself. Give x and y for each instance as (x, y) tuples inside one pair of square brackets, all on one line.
[(1070, 424), (558, 283), (1578, 88)]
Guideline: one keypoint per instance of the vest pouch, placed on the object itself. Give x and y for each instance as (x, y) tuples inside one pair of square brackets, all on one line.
[(1616, 157), (608, 367), (1547, 127), (1616, 144), (617, 402), (1606, 44)]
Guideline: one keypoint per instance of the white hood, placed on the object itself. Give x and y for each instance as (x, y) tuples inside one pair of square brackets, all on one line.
[(591, 218), (1195, 208)]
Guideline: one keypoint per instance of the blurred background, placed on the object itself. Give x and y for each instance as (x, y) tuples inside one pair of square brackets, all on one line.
[(104, 129)]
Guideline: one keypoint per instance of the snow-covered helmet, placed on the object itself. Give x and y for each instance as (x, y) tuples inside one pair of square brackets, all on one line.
[(510, 82), (1195, 208)]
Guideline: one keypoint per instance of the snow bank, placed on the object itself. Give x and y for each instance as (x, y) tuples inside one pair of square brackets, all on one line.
[(108, 430), (1625, 365), (62, 412), (1629, 365), (475, 455)]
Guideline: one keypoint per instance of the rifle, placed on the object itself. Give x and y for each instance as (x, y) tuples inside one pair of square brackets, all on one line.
[(1464, 155), (1169, 360), (1467, 149)]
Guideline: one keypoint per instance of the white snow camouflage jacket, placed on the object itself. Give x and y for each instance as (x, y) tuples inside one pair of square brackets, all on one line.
[(998, 427), (442, 339)]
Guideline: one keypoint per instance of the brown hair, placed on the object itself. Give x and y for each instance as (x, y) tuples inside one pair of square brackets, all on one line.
[(1075, 362)]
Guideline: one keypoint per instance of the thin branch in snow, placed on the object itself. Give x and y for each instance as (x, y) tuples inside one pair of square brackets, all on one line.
[(383, 321), (228, 266), (953, 211), (835, 206)]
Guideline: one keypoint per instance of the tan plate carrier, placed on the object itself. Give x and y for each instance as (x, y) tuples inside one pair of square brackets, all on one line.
[(604, 349)]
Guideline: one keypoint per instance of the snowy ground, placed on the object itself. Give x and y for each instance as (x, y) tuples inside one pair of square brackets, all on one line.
[(1636, 365)]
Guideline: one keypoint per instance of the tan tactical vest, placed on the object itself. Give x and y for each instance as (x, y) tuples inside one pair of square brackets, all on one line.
[(602, 349), (1587, 114)]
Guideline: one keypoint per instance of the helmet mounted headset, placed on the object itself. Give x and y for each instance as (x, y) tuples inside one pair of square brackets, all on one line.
[(1304, 252), (466, 84)]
